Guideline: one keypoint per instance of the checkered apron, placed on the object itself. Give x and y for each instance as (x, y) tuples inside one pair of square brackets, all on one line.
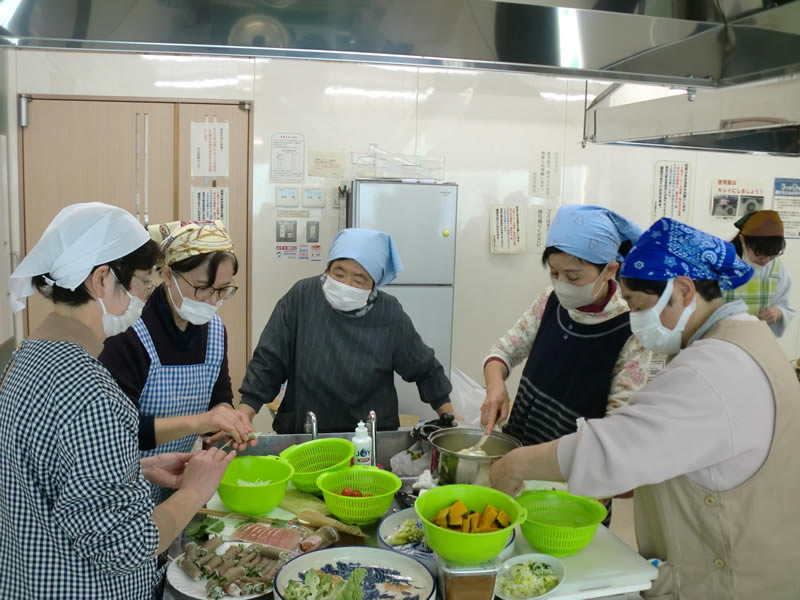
[(175, 390), (757, 293)]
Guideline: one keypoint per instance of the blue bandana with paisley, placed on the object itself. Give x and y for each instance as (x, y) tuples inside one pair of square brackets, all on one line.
[(670, 249)]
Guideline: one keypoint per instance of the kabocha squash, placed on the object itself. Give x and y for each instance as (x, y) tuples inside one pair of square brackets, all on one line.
[(457, 517)]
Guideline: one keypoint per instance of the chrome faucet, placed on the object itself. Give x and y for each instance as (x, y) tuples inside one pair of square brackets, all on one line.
[(372, 422), (311, 424)]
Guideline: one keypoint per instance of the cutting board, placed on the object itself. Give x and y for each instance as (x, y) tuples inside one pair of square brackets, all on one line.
[(605, 567)]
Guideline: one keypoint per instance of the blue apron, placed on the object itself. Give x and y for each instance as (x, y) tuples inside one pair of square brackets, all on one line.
[(176, 390)]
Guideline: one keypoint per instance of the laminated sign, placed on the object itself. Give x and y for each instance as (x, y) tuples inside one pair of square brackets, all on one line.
[(506, 229)]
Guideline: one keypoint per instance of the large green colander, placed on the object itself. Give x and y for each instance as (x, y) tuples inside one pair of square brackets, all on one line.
[(313, 458), (381, 484), (560, 523)]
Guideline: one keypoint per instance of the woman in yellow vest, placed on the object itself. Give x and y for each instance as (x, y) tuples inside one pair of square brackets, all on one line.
[(759, 244)]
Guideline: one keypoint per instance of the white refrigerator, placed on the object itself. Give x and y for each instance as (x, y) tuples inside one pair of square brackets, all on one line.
[(421, 218)]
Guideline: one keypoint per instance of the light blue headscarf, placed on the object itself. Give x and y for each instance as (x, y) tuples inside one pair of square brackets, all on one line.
[(592, 233), (373, 250)]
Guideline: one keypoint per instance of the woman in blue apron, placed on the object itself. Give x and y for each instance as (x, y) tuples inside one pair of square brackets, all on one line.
[(582, 360), (173, 361)]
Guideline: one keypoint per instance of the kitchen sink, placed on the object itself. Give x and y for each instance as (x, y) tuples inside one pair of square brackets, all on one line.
[(388, 443)]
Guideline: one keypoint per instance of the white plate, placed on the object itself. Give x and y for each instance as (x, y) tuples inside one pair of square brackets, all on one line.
[(197, 589), (390, 575), (551, 561), (421, 551)]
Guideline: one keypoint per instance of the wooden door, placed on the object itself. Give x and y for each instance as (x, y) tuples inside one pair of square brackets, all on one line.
[(120, 153), (235, 311)]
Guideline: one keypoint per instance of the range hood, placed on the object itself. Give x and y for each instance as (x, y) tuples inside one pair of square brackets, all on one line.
[(755, 118), (681, 42), (708, 49)]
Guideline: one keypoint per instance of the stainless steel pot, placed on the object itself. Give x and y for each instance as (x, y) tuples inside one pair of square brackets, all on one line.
[(451, 467)]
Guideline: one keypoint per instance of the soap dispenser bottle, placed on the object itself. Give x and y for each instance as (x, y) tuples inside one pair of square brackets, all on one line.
[(363, 443)]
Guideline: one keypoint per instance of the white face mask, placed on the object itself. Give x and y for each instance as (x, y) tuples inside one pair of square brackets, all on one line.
[(344, 297), (575, 296), (194, 311), (759, 271), (650, 331), (115, 324)]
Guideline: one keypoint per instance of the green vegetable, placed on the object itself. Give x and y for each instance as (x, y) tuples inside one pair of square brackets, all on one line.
[(407, 533), (203, 529), (323, 586)]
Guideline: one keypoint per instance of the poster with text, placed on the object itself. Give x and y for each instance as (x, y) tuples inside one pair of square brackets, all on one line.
[(733, 197), (541, 224), (506, 229), (326, 164), (287, 158), (671, 191), (210, 204), (545, 175), (786, 198), (210, 149)]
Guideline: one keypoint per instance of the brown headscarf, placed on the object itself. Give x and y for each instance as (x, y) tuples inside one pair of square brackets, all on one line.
[(761, 223)]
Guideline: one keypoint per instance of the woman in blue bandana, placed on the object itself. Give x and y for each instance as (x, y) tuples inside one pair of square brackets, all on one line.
[(337, 340), (709, 446), (582, 361)]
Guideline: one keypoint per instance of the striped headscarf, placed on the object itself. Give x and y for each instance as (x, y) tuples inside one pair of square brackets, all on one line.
[(180, 240)]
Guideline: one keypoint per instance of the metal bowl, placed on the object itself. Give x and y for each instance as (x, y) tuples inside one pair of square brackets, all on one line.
[(451, 467)]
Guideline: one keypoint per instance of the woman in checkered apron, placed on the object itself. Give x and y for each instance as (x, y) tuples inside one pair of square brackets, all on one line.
[(760, 243), (173, 362), (76, 517)]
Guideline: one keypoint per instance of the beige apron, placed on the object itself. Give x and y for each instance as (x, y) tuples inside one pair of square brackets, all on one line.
[(742, 543)]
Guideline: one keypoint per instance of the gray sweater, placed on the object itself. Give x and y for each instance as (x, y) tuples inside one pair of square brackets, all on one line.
[(339, 365)]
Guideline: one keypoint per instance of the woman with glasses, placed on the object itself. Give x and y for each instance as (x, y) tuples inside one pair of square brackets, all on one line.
[(759, 243), (173, 362)]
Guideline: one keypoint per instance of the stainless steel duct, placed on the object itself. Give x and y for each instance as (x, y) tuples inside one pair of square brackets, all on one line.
[(681, 42)]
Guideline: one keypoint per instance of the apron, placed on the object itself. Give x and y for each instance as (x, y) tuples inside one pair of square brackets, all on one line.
[(757, 293), (176, 390), (567, 376)]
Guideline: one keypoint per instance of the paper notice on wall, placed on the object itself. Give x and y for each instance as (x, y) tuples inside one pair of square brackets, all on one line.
[(287, 158), (210, 204), (671, 191), (210, 149), (732, 197), (309, 252), (297, 235), (786, 198), (544, 180), (541, 225), (326, 164), (506, 229)]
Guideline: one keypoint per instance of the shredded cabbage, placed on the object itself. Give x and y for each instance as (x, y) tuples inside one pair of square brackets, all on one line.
[(527, 580)]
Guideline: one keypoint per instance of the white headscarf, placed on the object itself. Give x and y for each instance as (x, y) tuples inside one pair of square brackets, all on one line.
[(80, 237)]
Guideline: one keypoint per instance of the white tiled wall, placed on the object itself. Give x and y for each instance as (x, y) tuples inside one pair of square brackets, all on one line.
[(485, 124)]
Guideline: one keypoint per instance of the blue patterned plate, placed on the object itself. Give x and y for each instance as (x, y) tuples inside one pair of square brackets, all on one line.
[(420, 551), (390, 576)]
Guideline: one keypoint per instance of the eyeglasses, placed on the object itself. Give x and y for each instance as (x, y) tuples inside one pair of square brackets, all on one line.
[(206, 292), (149, 285)]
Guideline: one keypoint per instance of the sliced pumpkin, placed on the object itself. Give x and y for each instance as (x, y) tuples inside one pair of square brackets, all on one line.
[(465, 524), (503, 519), (454, 520), (474, 518), (441, 518), (487, 517), (458, 509)]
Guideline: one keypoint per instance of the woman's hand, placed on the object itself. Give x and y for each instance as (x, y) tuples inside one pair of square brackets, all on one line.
[(503, 476), (770, 314), (226, 420), (204, 471), (165, 469), (495, 407)]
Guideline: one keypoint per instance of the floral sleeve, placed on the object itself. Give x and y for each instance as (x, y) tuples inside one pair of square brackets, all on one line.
[(630, 373), (515, 346)]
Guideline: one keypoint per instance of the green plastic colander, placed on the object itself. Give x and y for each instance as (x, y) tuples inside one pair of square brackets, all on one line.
[(237, 489), (560, 523), (313, 458), (367, 480)]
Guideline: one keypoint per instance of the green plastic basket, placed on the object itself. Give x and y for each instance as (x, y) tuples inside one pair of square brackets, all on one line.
[(560, 523), (254, 499), (367, 480), (313, 458), (466, 548)]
